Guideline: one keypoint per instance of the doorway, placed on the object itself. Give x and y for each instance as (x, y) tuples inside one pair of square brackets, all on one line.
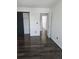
[(43, 26)]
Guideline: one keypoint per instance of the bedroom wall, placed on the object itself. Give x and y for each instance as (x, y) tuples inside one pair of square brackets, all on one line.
[(34, 18), (56, 23)]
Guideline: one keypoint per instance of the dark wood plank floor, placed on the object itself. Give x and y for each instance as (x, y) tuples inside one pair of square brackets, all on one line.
[(34, 48)]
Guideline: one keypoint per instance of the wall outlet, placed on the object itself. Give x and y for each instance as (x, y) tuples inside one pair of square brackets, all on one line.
[(57, 38), (36, 22), (35, 31)]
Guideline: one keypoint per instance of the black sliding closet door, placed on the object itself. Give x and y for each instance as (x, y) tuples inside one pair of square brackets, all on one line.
[(20, 27)]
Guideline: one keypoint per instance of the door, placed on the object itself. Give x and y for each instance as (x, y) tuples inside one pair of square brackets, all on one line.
[(20, 28), (26, 22), (44, 18)]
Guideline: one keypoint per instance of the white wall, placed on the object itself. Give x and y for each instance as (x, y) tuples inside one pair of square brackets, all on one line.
[(56, 28), (34, 18), (49, 23), (26, 21)]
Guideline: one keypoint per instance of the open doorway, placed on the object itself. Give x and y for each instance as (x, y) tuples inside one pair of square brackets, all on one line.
[(43, 26), (23, 24)]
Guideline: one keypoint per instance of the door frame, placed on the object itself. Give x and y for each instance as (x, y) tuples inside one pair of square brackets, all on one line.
[(43, 14), (29, 19)]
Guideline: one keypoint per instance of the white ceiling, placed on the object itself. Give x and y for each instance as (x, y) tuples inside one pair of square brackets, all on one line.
[(36, 3)]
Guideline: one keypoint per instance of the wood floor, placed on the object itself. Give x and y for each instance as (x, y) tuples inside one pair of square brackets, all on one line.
[(34, 48)]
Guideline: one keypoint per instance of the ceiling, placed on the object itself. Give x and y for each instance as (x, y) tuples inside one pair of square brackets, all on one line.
[(36, 3)]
